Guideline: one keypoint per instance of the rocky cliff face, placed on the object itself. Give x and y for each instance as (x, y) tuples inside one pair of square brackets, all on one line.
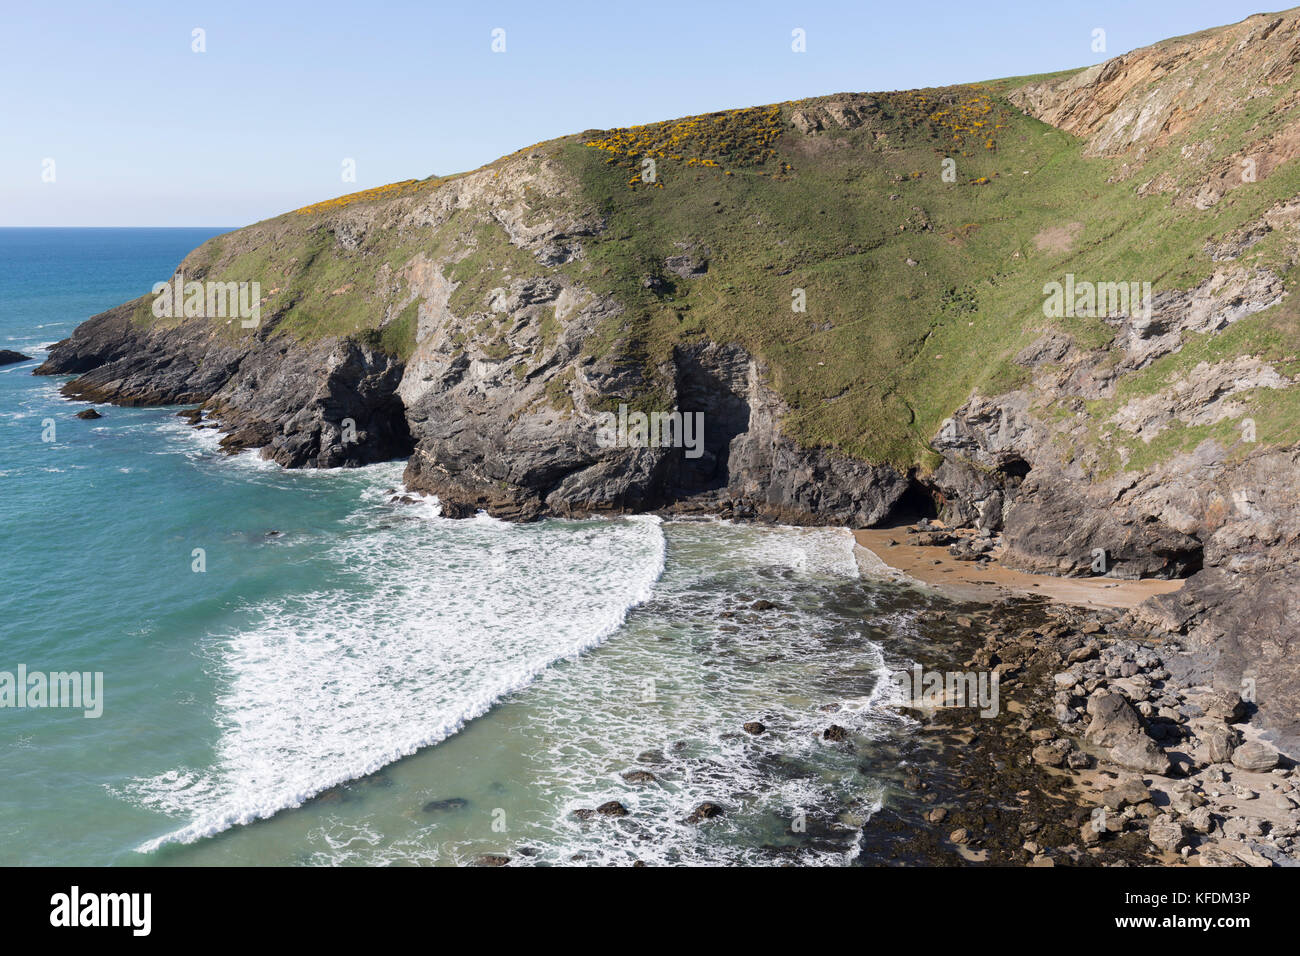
[(1226, 513), (331, 404), (483, 429), (534, 461)]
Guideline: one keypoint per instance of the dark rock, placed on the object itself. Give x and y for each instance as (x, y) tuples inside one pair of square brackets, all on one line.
[(612, 808), (835, 732), (705, 811), (9, 358), (638, 776), (754, 728), (287, 398), (89, 413), (474, 456), (442, 806), (687, 266)]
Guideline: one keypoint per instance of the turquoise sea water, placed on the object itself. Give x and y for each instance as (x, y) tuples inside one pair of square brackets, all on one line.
[(354, 681)]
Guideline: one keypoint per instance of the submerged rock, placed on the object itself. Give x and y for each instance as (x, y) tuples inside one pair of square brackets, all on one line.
[(442, 806)]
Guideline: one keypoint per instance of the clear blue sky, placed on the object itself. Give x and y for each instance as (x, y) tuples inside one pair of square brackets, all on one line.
[(143, 131)]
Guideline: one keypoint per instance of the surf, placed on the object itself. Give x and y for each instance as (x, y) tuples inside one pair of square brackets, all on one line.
[(435, 621)]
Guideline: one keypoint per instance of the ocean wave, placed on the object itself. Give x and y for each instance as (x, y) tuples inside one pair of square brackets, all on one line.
[(439, 620)]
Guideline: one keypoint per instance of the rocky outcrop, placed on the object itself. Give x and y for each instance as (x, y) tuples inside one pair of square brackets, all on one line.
[(840, 112), (329, 404), (1133, 105), (8, 357), (536, 461)]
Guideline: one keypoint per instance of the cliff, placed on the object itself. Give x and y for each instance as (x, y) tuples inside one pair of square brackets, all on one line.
[(855, 292)]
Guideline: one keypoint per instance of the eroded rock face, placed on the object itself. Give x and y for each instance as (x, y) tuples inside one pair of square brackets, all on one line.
[(330, 404), (837, 112), (533, 459)]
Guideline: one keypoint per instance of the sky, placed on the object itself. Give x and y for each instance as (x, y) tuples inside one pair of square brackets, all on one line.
[(110, 116)]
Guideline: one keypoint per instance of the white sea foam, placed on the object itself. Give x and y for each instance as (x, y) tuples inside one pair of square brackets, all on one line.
[(716, 666), (439, 619)]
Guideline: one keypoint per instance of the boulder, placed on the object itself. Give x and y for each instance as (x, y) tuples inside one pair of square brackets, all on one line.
[(1255, 756), (1143, 755), (1115, 724), (1048, 756), (1218, 739), (1128, 793), (1226, 705), (1201, 820), (1217, 856), (1166, 834)]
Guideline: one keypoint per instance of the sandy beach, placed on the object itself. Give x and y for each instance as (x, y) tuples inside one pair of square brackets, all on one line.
[(887, 554)]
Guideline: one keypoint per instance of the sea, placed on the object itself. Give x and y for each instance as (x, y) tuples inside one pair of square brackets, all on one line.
[(296, 669)]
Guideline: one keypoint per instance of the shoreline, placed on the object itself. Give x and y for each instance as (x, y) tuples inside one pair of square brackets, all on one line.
[(1113, 748), (932, 566)]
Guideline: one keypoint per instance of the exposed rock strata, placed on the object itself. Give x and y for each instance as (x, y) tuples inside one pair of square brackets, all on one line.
[(329, 404)]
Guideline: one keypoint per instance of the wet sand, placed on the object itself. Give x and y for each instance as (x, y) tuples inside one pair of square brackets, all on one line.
[(934, 567)]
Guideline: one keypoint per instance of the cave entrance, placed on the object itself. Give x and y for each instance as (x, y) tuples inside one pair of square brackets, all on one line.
[(709, 382), (917, 502)]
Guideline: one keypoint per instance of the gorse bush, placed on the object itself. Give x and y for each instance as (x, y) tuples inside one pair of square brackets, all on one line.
[(391, 191), (732, 138)]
